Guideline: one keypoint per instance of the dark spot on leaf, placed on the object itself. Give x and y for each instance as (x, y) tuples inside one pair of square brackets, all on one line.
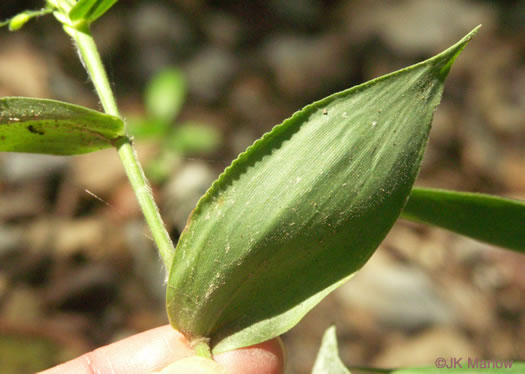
[(33, 130), (2, 137)]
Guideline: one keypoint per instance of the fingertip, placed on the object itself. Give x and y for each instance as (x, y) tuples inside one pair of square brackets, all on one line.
[(262, 358), (194, 365)]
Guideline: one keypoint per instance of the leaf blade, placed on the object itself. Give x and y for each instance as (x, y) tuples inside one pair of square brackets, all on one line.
[(90, 10), (487, 218), (101, 9), (81, 9), (290, 218), (327, 360), (53, 127), (475, 366)]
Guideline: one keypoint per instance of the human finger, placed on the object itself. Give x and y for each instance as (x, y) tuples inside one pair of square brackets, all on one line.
[(159, 348), (142, 353)]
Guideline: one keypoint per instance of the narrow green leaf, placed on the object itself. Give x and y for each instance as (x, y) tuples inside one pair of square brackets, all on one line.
[(54, 127), (101, 9), (165, 94), (303, 208), (486, 218), (467, 365), (81, 9), (90, 10), (328, 361)]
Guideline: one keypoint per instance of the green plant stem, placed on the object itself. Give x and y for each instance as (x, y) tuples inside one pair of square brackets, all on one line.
[(93, 64), (202, 348)]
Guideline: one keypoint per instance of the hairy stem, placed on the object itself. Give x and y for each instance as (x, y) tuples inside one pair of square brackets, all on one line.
[(93, 64)]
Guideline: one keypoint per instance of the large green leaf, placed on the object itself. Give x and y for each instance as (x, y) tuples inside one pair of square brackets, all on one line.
[(487, 218), (303, 208), (54, 127), (328, 361)]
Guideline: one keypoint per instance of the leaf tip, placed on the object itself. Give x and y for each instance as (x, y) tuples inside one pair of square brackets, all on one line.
[(446, 59)]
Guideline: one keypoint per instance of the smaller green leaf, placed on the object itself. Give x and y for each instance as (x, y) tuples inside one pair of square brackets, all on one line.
[(81, 9), (328, 361), (103, 7), (486, 218), (54, 127), (165, 94), (90, 10), (17, 22)]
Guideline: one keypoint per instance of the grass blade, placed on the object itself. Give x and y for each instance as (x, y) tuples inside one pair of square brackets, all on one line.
[(467, 365), (487, 218), (90, 10)]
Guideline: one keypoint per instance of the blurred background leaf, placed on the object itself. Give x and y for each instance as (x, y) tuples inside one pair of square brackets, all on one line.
[(193, 138), (165, 94), (164, 97)]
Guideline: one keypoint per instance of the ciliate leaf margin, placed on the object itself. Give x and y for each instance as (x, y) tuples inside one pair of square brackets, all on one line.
[(276, 130)]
